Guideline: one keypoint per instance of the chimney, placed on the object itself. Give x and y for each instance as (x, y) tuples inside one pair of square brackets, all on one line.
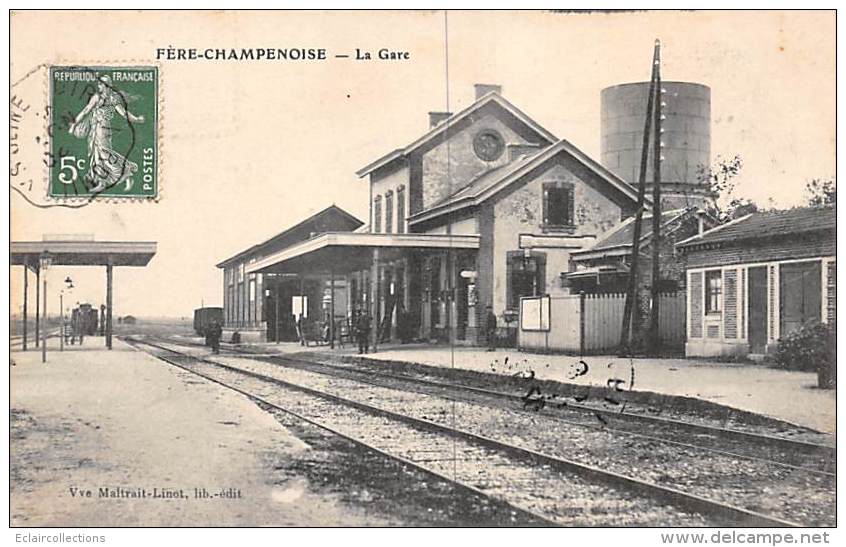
[(517, 151), (700, 216), (436, 118), (484, 89)]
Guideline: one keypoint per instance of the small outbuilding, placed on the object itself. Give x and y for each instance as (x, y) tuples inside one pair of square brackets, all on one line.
[(754, 280)]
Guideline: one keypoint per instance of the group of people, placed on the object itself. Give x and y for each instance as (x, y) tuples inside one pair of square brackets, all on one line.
[(361, 327), (76, 329)]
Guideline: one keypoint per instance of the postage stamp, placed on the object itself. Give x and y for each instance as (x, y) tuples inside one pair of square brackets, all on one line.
[(103, 131)]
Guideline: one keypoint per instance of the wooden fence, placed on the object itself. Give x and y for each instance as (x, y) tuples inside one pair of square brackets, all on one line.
[(589, 323)]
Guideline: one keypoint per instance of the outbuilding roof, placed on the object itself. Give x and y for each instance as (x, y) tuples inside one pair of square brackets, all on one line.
[(768, 224), (623, 234)]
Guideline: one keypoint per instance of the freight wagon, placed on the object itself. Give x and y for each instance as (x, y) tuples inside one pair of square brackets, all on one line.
[(203, 317)]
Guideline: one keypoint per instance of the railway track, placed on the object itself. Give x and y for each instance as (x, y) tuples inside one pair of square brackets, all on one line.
[(537, 479), (789, 453)]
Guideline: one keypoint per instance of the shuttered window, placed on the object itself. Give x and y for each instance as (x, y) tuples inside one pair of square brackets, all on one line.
[(401, 210), (389, 213), (558, 205), (377, 215)]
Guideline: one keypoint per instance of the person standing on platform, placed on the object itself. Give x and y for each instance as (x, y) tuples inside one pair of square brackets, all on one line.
[(215, 333), (300, 332), (362, 331), (490, 328)]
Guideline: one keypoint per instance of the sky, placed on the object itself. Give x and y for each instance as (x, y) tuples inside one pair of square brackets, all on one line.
[(251, 148)]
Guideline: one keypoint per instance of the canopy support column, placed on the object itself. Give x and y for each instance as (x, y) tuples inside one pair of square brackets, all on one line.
[(25, 299), (374, 298), (44, 330), (332, 309), (109, 276), (37, 307), (276, 298)]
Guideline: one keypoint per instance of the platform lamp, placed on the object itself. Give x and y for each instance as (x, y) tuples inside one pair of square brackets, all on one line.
[(68, 287), (45, 260)]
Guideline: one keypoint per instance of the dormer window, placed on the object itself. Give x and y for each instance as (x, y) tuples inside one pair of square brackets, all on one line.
[(558, 206)]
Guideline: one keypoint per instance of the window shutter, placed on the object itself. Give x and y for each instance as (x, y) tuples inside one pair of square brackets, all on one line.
[(509, 269), (540, 259), (571, 205), (546, 203)]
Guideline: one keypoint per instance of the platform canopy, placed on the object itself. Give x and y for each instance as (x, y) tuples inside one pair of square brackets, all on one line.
[(83, 253), (342, 252)]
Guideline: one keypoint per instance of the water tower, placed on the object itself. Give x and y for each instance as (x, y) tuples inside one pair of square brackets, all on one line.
[(686, 137)]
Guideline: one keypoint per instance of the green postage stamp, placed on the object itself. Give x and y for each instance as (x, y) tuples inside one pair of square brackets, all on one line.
[(103, 132)]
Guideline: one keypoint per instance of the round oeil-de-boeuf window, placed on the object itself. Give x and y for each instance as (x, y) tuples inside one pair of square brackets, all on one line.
[(488, 145)]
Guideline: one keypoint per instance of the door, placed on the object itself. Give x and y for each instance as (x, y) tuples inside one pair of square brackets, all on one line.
[(434, 295), (800, 295), (757, 312), (270, 317), (461, 308)]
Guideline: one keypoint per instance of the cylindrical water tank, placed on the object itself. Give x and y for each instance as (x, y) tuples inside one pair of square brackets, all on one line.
[(686, 132)]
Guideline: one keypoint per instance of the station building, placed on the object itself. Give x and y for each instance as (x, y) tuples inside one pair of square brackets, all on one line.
[(485, 207), (264, 307), (754, 280)]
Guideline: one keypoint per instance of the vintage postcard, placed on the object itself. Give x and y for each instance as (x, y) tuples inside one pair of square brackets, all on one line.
[(424, 269)]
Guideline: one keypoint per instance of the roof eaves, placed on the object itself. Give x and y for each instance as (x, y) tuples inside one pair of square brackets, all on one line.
[(381, 162), (589, 162), (257, 246)]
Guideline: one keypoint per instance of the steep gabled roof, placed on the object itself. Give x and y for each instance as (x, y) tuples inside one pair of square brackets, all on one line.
[(490, 182), (767, 224), (492, 97), (333, 216)]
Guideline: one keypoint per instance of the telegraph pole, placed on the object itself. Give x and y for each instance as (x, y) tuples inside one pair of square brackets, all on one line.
[(654, 332), (631, 291)]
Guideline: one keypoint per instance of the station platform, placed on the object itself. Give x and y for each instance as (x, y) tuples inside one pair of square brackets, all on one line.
[(90, 419), (788, 396)]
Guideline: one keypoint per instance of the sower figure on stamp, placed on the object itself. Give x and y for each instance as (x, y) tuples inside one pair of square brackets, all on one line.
[(215, 333), (490, 328), (106, 167), (362, 331)]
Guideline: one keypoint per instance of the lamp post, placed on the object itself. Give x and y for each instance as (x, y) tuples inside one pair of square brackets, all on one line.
[(68, 287), (45, 261)]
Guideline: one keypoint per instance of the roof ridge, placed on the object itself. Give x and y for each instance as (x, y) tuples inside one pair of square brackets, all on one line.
[(714, 229), (529, 162), (444, 125)]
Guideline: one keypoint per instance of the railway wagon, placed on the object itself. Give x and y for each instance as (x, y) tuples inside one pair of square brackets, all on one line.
[(204, 317), (86, 316)]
